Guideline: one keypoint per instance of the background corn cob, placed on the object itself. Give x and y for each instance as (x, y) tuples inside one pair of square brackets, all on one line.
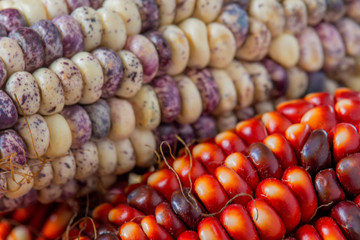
[(290, 200), (259, 74)]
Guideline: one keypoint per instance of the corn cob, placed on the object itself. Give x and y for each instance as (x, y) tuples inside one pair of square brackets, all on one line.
[(286, 177), (261, 82)]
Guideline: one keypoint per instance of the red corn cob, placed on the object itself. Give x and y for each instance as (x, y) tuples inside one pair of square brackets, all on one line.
[(230, 142), (307, 232), (158, 208), (233, 185), (188, 235), (322, 117), (282, 150), (153, 230), (328, 229), (237, 223), (168, 219), (279, 196), (242, 166), (275, 122), (57, 222), (206, 187), (347, 110), (210, 228), (294, 109), (300, 183), (123, 213), (267, 222), (345, 140), (346, 93), (131, 231), (328, 188), (320, 99), (210, 155), (265, 161), (251, 131), (347, 215)]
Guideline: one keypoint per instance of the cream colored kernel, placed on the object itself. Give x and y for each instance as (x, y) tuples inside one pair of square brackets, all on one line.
[(126, 159), (207, 10), (180, 49), (191, 104), (70, 78), (107, 156), (146, 107), (114, 30), (60, 135), (87, 160), (227, 91), (55, 8), (196, 33), (132, 76), (129, 13), (92, 76), (167, 10), (33, 10), (123, 115), (144, 143), (12, 55), (91, 26), (51, 91), (222, 45)]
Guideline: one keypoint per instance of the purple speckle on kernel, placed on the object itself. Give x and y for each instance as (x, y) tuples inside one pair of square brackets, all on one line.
[(32, 46), (71, 34), (51, 39), (12, 147), (12, 19)]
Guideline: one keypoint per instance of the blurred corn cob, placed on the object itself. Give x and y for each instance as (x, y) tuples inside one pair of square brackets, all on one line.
[(196, 75)]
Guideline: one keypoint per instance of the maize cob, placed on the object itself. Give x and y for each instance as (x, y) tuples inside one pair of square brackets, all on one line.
[(258, 77), (285, 176)]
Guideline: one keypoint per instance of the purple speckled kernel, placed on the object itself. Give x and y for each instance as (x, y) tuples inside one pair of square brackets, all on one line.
[(112, 68), (166, 133), (73, 4), (95, 4), (145, 50), (317, 82), (3, 32), (99, 114), (278, 76), (332, 43), (12, 143), (79, 123), (32, 46), (3, 73), (207, 87), (12, 19), (71, 35), (169, 97), (335, 9), (236, 19), (205, 128), (163, 49), (149, 13), (186, 133), (8, 112), (51, 39)]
